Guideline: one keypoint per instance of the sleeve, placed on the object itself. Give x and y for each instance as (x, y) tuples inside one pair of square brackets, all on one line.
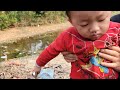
[(119, 35), (115, 18), (57, 46)]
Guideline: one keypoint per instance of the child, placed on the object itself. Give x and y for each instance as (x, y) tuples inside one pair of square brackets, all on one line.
[(91, 31)]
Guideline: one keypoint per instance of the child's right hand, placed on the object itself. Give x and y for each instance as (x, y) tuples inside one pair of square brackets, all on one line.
[(69, 57), (36, 71)]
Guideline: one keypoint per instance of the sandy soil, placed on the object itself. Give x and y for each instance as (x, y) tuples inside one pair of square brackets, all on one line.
[(21, 68)]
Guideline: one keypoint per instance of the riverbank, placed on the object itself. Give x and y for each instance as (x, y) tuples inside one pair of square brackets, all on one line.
[(14, 34), (21, 68)]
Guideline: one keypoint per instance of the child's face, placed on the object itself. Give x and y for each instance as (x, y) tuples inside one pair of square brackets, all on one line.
[(90, 24)]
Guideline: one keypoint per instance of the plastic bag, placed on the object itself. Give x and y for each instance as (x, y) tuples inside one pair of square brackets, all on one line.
[(46, 73)]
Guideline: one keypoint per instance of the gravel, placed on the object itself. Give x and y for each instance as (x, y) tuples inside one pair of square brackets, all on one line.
[(21, 68)]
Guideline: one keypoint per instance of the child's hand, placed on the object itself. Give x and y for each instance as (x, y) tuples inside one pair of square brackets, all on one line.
[(69, 57), (36, 71), (112, 54)]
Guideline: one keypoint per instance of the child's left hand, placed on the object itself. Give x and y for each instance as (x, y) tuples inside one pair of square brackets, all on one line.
[(112, 54)]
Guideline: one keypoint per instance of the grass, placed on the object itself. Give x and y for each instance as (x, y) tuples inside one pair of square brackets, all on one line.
[(115, 12)]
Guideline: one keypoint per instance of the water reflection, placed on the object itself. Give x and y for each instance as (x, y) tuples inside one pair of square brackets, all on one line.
[(27, 46)]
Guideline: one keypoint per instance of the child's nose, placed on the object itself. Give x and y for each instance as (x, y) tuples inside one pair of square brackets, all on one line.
[(94, 28)]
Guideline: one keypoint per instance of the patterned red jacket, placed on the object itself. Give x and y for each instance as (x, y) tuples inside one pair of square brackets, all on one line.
[(88, 66)]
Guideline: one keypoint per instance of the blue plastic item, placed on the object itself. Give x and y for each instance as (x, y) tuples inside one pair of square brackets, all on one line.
[(46, 73)]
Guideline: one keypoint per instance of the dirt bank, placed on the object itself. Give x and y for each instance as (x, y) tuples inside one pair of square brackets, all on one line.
[(17, 33)]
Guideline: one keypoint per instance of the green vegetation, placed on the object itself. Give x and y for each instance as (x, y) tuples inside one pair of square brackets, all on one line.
[(115, 12), (30, 18)]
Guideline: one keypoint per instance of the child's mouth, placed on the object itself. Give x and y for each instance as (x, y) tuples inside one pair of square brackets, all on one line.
[(96, 36)]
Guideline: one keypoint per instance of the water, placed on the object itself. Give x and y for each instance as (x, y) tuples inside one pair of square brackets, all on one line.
[(27, 46)]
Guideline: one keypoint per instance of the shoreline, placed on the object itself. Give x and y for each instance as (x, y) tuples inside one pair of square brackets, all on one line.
[(17, 33)]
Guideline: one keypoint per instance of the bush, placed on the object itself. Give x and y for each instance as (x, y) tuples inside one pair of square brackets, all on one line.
[(12, 18), (48, 17), (30, 18), (7, 20), (4, 22)]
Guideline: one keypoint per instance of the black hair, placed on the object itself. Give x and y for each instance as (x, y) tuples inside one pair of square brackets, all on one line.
[(68, 14)]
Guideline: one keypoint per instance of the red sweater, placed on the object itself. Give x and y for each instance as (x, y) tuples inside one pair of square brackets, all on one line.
[(86, 51)]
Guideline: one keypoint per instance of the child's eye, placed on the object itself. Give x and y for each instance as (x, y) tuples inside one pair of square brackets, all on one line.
[(101, 20), (83, 25)]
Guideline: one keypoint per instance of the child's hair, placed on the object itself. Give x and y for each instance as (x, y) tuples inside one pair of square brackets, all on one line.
[(68, 14)]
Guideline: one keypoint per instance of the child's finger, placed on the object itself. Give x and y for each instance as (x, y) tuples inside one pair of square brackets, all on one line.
[(69, 61), (34, 74), (65, 53)]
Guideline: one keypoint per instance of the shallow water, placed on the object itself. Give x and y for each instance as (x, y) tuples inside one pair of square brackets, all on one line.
[(27, 46)]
